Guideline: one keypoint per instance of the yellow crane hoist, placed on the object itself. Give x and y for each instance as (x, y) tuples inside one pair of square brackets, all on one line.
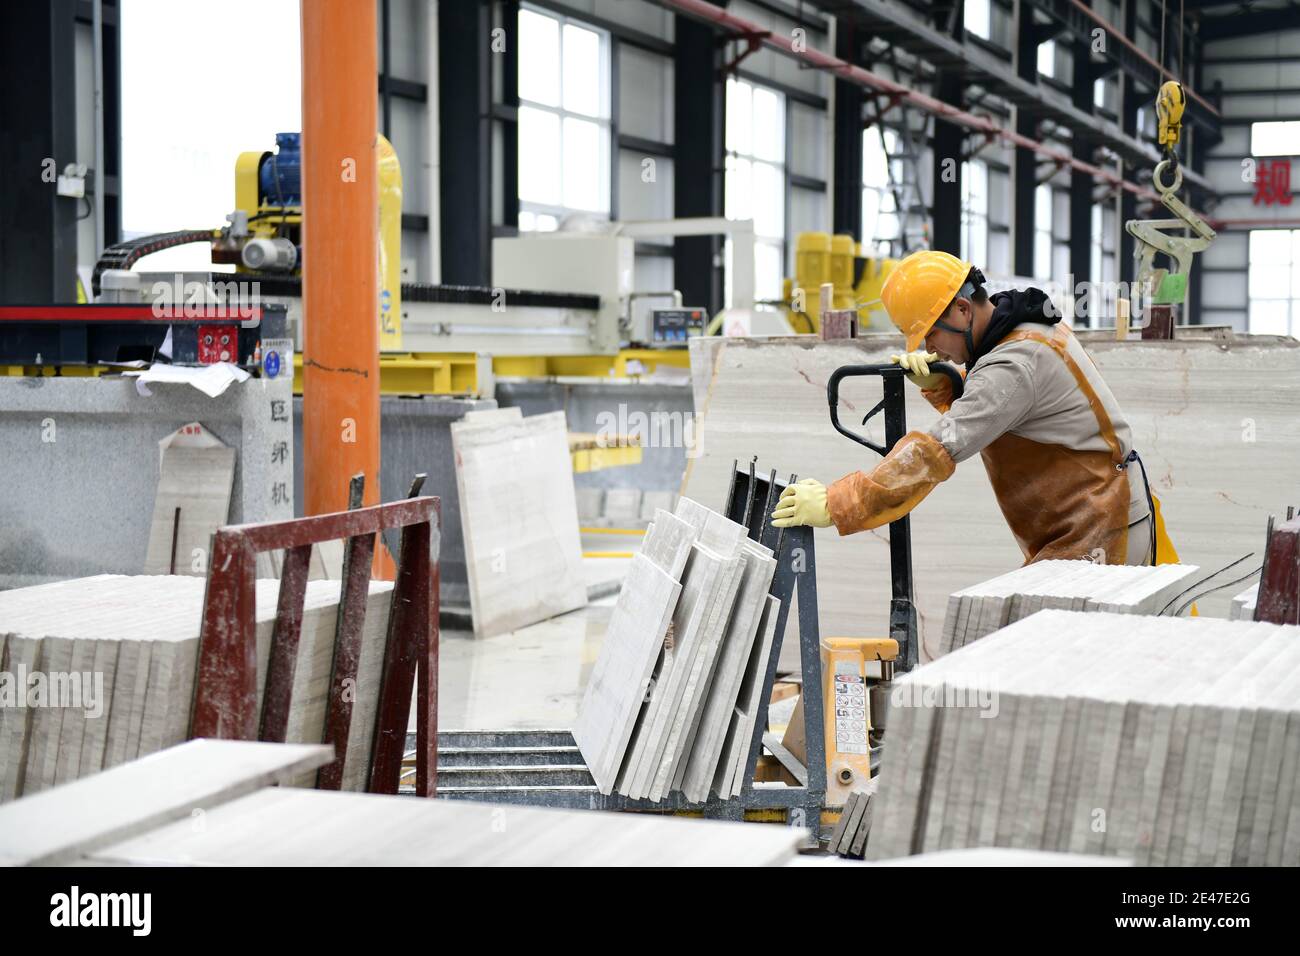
[(1165, 286)]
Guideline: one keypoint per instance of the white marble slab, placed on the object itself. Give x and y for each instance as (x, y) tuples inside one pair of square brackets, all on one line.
[(617, 687), (285, 827), (520, 520), (67, 822)]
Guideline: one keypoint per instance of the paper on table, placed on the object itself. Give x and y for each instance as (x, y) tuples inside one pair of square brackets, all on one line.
[(211, 380), (192, 435)]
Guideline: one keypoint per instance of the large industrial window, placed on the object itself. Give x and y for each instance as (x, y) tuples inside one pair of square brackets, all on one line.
[(755, 181), (1275, 138), (978, 18), (564, 125), (1043, 232), (1047, 58), (1275, 281), (1102, 294), (975, 213), (880, 224)]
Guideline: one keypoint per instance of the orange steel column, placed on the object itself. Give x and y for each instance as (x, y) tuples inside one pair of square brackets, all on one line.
[(340, 409)]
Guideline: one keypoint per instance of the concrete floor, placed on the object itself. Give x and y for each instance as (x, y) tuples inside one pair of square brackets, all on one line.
[(532, 678)]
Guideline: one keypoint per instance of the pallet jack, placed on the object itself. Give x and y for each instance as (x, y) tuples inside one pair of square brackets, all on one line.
[(857, 699), (545, 768)]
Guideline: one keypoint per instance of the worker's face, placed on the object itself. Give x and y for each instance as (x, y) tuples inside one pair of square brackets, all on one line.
[(951, 346)]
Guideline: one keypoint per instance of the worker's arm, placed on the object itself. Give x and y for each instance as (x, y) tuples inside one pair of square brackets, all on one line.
[(996, 398), (940, 396), (994, 401), (859, 501)]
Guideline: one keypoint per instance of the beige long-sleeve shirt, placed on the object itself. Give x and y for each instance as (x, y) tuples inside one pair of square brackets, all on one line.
[(1025, 388)]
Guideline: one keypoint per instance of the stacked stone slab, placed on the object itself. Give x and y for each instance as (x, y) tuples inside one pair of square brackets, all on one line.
[(677, 669), (1243, 604), (981, 609), (1170, 741), (121, 654)]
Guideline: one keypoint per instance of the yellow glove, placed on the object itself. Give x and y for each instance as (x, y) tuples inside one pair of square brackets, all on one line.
[(918, 368), (802, 504)]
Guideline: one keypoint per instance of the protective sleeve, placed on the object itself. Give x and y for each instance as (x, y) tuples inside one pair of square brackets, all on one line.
[(859, 502), (997, 396), (941, 396)]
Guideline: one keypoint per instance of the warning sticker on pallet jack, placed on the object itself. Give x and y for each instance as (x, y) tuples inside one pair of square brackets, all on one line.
[(850, 714)]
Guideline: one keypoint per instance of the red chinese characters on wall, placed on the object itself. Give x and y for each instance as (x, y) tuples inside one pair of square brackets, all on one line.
[(1273, 182)]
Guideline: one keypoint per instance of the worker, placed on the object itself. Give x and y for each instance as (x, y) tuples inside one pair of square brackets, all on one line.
[(1054, 441)]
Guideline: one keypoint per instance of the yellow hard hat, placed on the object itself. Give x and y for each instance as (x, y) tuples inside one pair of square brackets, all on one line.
[(919, 289)]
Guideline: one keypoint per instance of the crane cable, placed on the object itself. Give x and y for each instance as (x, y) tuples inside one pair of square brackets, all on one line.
[(1182, 27), (1162, 33)]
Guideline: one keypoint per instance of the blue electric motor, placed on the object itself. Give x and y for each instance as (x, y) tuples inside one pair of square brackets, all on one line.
[(280, 178)]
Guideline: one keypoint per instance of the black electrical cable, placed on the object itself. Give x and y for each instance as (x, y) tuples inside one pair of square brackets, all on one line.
[(1151, 505), (1203, 580), (1196, 597), (270, 211)]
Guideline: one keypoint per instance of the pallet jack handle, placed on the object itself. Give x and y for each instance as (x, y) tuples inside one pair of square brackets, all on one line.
[(892, 402), (902, 610)]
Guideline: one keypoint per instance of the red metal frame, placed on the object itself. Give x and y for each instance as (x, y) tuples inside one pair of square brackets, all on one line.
[(1278, 600), (225, 702), (126, 313)]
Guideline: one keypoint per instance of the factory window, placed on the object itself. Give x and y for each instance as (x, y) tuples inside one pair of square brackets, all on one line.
[(1275, 138), (564, 120), (1047, 58), (1043, 232), (975, 213), (978, 17), (880, 225), (1275, 281), (1100, 306), (755, 182)]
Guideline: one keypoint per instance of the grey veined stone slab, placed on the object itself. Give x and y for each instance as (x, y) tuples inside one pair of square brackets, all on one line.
[(975, 612), (279, 827), (678, 678), (1167, 741), (619, 680), (519, 516), (1243, 604), (106, 668), (67, 822), (738, 643)]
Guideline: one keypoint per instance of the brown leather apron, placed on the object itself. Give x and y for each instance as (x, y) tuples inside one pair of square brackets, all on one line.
[(1060, 502)]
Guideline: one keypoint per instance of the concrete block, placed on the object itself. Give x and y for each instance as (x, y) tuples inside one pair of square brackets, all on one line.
[(84, 467)]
